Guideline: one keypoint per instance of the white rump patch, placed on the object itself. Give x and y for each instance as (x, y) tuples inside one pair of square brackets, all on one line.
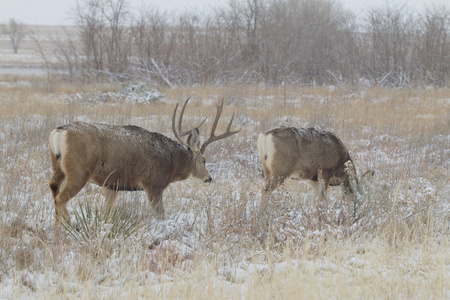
[(57, 141), (266, 148)]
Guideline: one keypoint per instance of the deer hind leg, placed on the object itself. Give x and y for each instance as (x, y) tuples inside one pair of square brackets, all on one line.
[(271, 184), (57, 177), (55, 181), (72, 185), (266, 170), (155, 198)]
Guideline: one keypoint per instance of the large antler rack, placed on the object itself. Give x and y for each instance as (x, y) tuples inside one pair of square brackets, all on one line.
[(213, 137), (177, 131)]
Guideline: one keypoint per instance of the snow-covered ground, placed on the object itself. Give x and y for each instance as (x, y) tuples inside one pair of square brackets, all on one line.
[(212, 243)]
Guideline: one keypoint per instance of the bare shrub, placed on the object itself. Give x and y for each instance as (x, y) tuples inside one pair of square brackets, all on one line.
[(16, 33), (432, 50), (303, 42), (390, 56)]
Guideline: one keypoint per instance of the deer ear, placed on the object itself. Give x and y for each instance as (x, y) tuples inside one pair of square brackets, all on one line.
[(193, 140)]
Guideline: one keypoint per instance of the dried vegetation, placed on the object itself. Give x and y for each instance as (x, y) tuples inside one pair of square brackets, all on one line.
[(211, 245)]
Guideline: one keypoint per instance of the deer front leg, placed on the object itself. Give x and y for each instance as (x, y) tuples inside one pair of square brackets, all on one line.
[(320, 186), (155, 199), (111, 197)]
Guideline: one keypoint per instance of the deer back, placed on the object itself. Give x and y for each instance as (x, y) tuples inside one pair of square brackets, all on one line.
[(302, 152), (123, 157)]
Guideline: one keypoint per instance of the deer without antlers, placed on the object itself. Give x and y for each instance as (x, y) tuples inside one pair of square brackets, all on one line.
[(126, 158), (305, 154)]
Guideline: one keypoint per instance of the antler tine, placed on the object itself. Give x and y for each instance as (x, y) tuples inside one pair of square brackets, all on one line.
[(173, 126), (180, 119), (216, 120), (177, 131), (213, 136)]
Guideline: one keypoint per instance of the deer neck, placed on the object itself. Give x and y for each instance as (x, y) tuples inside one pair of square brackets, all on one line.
[(183, 163)]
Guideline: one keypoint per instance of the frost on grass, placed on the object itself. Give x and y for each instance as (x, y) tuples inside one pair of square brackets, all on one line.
[(139, 92), (212, 240)]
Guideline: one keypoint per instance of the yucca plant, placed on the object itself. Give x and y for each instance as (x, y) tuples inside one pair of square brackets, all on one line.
[(101, 226)]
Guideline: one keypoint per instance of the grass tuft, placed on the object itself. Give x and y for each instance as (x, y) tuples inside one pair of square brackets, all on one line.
[(102, 229)]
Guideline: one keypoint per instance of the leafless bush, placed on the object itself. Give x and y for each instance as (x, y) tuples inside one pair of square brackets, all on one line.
[(255, 41), (433, 47), (103, 46), (16, 32), (390, 60)]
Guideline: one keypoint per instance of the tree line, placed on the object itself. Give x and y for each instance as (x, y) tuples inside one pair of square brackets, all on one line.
[(268, 42)]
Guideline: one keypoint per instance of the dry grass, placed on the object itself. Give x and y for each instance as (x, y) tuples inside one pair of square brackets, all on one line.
[(212, 245)]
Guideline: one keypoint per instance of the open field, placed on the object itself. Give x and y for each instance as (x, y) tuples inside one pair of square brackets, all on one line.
[(210, 246)]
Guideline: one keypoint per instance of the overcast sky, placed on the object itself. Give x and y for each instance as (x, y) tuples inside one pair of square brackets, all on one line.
[(57, 12)]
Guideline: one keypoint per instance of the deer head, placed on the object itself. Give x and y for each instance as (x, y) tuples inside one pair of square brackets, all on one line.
[(193, 141)]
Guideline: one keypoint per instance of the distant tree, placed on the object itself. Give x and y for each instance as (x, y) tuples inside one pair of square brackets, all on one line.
[(16, 32), (432, 47), (391, 33), (258, 41)]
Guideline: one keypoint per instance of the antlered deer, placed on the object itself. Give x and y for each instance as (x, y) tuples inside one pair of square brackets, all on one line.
[(305, 154), (126, 158)]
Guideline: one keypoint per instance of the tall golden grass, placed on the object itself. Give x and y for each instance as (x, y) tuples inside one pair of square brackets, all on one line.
[(211, 246)]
